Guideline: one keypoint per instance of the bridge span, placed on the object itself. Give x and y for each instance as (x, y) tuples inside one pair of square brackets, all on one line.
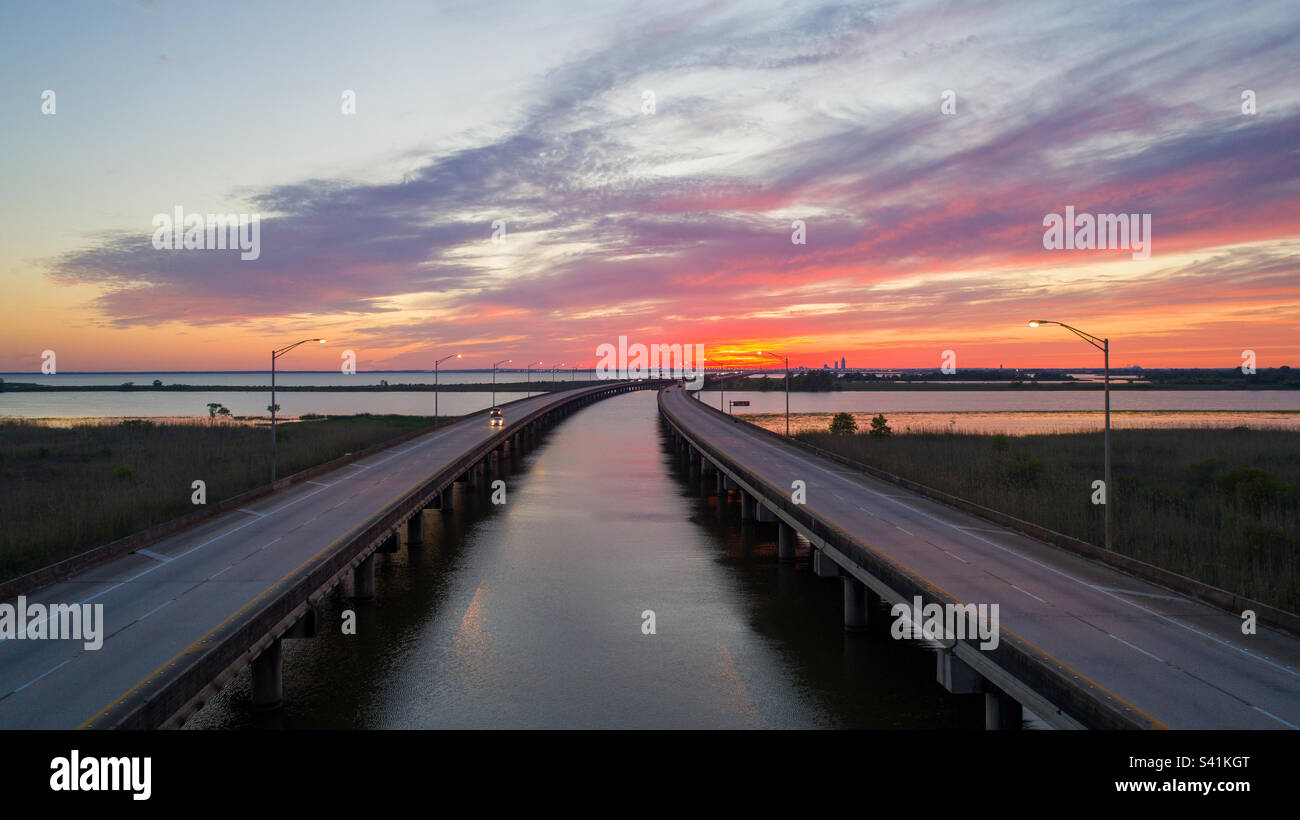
[(1082, 644), (186, 613)]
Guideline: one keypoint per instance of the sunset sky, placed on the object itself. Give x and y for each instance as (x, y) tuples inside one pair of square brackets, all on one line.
[(924, 229)]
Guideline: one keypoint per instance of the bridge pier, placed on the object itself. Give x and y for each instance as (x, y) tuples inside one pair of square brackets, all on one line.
[(268, 666), (445, 502), (721, 487), (1000, 711), (415, 529), (763, 513), (824, 567), (855, 604), (785, 543), (363, 579), (747, 503), (268, 678), (956, 676)]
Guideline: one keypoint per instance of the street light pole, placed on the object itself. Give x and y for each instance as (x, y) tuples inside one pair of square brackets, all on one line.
[(1104, 346), (275, 354), (494, 379), (435, 382), (787, 386), (528, 378)]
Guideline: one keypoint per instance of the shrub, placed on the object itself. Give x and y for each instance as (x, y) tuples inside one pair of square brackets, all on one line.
[(843, 423), (880, 426)]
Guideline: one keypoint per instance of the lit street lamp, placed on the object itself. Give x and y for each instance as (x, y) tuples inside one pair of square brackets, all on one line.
[(435, 383), (275, 354), (786, 359), (494, 379), (1104, 346)]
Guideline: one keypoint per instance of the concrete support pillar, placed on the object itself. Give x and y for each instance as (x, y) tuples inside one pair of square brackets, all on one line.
[(1001, 712), (721, 487), (268, 678), (855, 604), (956, 676), (747, 503), (391, 544), (785, 543), (764, 513), (823, 566), (415, 529), (445, 502), (363, 579)]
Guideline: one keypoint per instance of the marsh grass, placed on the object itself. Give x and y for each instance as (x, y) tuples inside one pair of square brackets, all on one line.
[(65, 490), (1218, 505)]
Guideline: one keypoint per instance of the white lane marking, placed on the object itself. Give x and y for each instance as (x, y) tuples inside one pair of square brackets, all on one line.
[(155, 556), (272, 541), (1138, 648), (798, 457), (1275, 717), (35, 679), (909, 533), (1031, 595), (1143, 594), (955, 555), (215, 574), (155, 609), (252, 512), (320, 483)]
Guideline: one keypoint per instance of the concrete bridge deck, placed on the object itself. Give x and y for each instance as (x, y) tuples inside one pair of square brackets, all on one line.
[(189, 611), (1082, 644)]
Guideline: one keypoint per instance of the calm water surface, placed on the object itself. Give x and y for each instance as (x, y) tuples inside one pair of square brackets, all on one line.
[(528, 615)]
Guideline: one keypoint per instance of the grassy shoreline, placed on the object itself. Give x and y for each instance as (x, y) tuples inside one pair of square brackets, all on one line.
[(68, 489), (1220, 506)]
